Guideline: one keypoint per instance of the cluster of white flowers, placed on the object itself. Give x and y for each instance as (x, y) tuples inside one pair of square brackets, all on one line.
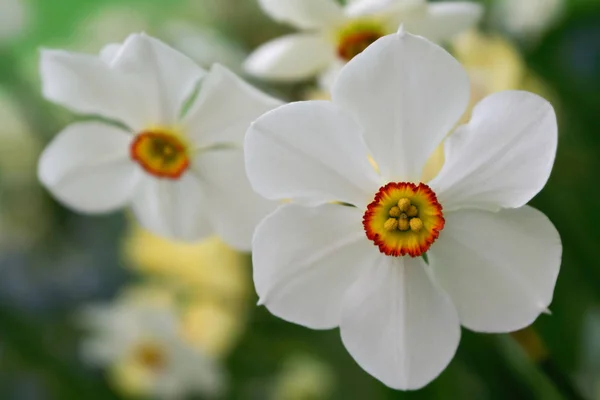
[(352, 234)]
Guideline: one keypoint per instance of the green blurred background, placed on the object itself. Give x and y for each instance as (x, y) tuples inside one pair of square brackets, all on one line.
[(53, 261)]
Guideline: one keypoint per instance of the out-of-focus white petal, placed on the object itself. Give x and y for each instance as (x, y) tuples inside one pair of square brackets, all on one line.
[(407, 93), (442, 21), (304, 14), (174, 209), (312, 151), (499, 268), (224, 109), (169, 76), (398, 324), (305, 258), (291, 57), (234, 209), (87, 167), (502, 157), (86, 84), (396, 10), (109, 52)]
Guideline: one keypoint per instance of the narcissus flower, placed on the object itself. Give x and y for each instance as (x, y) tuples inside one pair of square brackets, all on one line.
[(332, 35), (367, 244), (139, 341), (170, 144)]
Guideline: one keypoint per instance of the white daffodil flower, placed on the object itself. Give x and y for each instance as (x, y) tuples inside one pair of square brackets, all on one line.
[(349, 250), (173, 155), (141, 346), (331, 34)]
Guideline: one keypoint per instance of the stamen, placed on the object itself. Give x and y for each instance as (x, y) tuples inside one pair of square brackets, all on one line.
[(395, 212), (391, 224), (404, 204), (403, 223), (416, 224), (412, 211)]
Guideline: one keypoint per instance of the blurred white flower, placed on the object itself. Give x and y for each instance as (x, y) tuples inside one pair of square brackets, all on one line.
[(173, 154), (332, 35), (527, 19), (112, 23), (491, 261), (304, 377), (13, 19), (139, 341), (204, 45)]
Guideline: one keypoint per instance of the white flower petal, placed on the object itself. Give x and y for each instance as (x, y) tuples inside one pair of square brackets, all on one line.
[(87, 167), (499, 268), (305, 258), (86, 84), (170, 77), (309, 150), (407, 93), (224, 109), (110, 52), (398, 324), (291, 57), (304, 14), (234, 208), (174, 209), (502, 157), (442, 21), (386, 9)]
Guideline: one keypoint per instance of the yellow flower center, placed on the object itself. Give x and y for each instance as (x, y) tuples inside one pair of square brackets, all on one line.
[(161, 152), (404, 219), (151, 356), (356, 36)]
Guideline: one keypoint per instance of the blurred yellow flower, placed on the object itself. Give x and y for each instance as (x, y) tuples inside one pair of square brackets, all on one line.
[(210, 282)]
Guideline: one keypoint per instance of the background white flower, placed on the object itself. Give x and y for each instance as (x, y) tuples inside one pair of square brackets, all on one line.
[(139, 341), (331, 34), (14, 18), (492, 261), (173, 154)]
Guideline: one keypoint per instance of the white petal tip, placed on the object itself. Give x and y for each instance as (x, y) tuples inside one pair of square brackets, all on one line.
[(261, 302), (401, 31), (547, 312)]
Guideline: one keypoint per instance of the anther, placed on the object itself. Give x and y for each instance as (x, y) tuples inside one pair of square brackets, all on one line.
[(404, 204), (412, 211), (391, 224), (394, 212), (403, 223), (416, 224)]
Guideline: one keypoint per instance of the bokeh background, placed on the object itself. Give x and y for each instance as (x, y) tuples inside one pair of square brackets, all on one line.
[(54, 263)]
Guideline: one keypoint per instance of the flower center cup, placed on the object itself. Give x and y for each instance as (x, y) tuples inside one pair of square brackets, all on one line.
[(404, 219), (160, 153), (356, 36), (151, 356)]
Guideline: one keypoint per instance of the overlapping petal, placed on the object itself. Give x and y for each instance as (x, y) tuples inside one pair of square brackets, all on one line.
[(499, 268), (304, 14), (224, 109), (312, 151), (86, 84), (398, 324), (169, 77), (291, 57), (87, 167), (305, 258), (175, 209), (234, 209), (502, 157), (407, 93), (442, 21)]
